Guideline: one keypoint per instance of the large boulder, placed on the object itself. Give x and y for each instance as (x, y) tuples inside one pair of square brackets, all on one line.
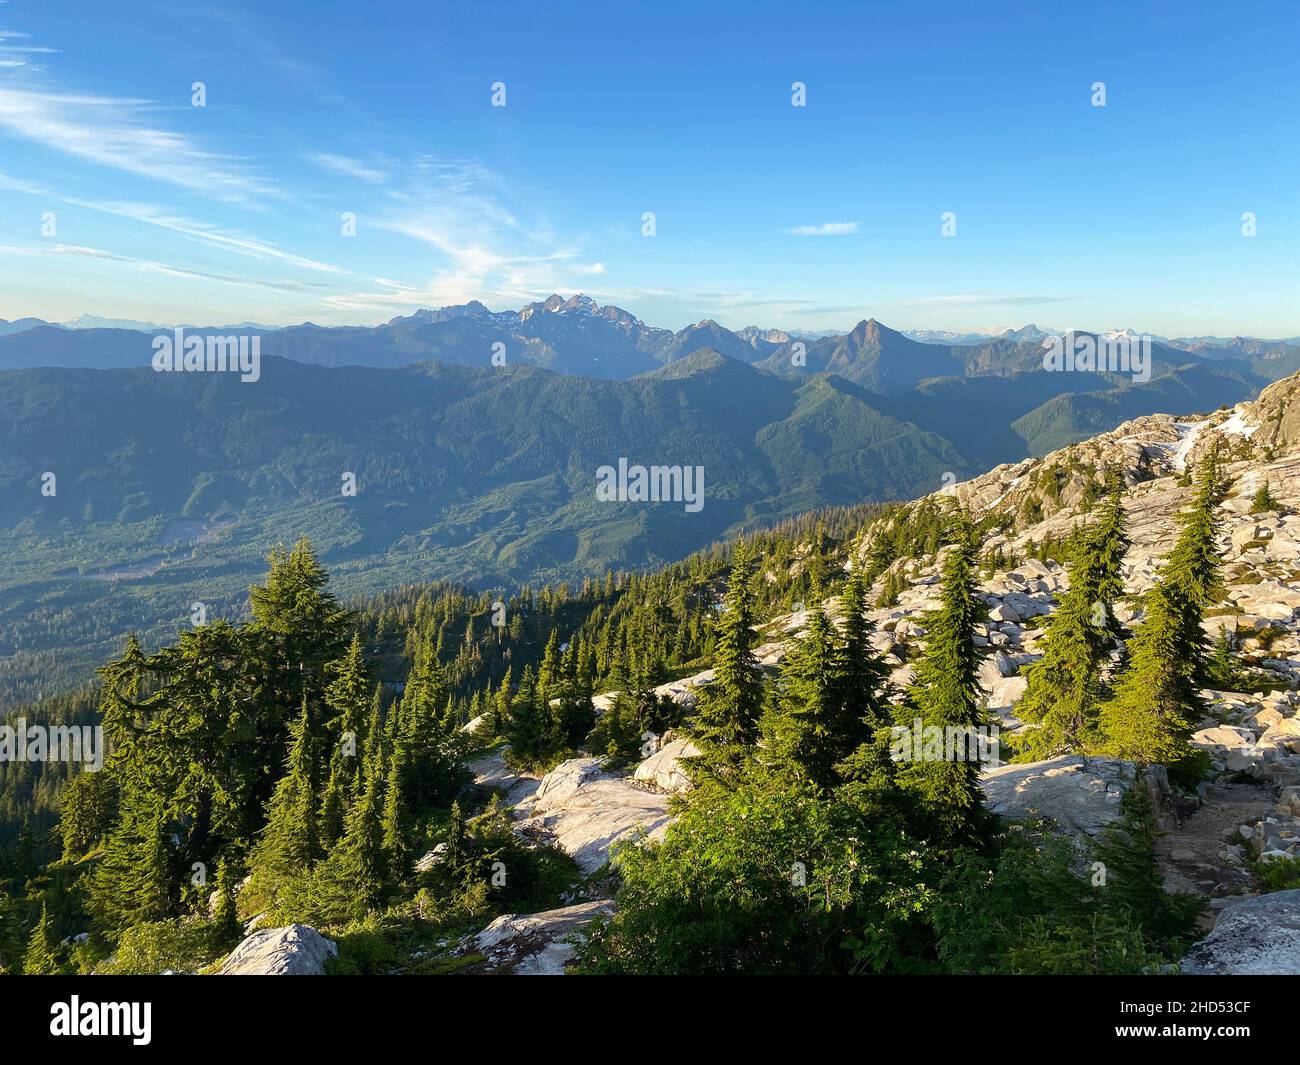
[(536, 944), (1005, 693), (1222, 739), (662, 769), (294, 950), (585, 811), (1254, 937), (1082, 795)]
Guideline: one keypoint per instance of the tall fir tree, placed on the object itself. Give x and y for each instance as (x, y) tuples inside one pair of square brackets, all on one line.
[(1156, 702), (290, 843), (863, 736), (135, 881), (1061, 697), (399, 819), (1191, 573), (727, 711), (297, 628), (1151, 714), (526, 729), (334, 802), (804, 728), (1103, 546), (946, 695), (353, 880), (348, 695), (40, 959), (865, 677)]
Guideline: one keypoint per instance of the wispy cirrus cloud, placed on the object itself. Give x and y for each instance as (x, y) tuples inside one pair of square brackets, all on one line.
[(826, 229), (164, 218), (86, 252), (115, 132), (346, 167), (459, 209), (121, 133)]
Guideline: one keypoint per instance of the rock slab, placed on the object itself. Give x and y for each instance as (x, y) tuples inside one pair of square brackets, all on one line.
[(537, 944), (1082, 795), (294, 950), (1253, 937), (585, 811)]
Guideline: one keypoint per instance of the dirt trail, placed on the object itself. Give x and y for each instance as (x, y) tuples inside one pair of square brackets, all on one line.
[(1191, 854)]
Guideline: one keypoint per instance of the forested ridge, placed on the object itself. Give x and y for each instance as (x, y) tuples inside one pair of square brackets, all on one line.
[(296, 765)]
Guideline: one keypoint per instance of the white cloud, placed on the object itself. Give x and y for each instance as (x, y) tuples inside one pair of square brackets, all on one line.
[(115, 132), (457, 207), (826, 229), (341, 164), (162, 217), (82, 251)]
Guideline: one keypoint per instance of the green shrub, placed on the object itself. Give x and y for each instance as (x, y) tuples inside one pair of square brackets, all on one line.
[(155, 946), (765, 880), (1281, 874)]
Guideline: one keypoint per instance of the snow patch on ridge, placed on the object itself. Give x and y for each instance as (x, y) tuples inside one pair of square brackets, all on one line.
[(1187, 435), (1236, 425)]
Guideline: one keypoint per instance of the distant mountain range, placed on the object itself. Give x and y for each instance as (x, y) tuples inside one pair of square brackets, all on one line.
[(172, 487), (578, 336)]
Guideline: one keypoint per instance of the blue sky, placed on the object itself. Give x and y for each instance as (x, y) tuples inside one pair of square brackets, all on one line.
[(1067, 214)]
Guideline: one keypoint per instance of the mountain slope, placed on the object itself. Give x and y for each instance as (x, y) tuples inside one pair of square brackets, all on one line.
[(171, 488), (1076, 416), (871, 355)]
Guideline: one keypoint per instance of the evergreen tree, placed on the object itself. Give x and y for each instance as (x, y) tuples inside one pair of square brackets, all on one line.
[(947, 696), (865, 678), (862, 738), (40, 959), (87, 806), (615, 734), (1100, 573), (352, 880), (548, 675), (424, 697), (804, 730), (334, 802), (728, 710), (399, 823), (1150, 717), (501, 706), (348, 694), (290, 843), (1157, 702), (295, 614), (226, 925), (426, 734), (134, 882), (1264, 502), (1064, 684), (11, 937), (526, 729), (1226, 670), (298, 628), (1191, 572), (1134, 882)]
